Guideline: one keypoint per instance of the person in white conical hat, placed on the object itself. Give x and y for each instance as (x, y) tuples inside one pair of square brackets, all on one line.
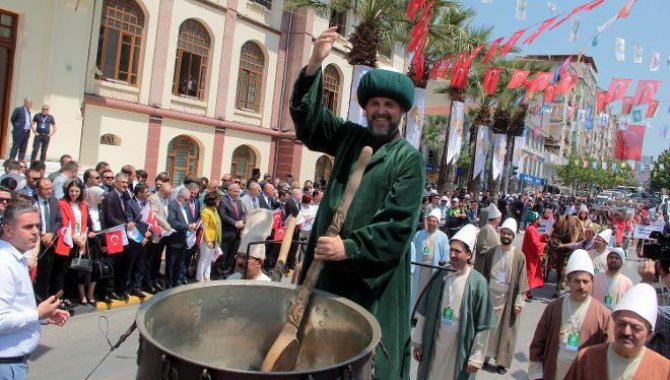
[(445, 347), (488, 236), (626, 358), (568, 324), (504, 267), (257, 228), (609, 286), (599, 252), (583, 216), (430, 246)]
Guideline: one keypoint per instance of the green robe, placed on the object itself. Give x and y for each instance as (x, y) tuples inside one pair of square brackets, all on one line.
[(379, 226), (476, 316)]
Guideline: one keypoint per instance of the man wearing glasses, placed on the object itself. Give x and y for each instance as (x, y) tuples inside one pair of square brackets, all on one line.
[(5, 200), (107, 180), (44, 126), (91, 178), (32, 177)]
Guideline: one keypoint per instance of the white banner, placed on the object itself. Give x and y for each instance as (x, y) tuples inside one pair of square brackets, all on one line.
[(455, 131), (620, 49), (416, 118), (637, 54), (574, 30), (521, 9), (642, 232), (546, 226), (655, 64), (499, 150), (356, 113), (518, 146), (481, 149)]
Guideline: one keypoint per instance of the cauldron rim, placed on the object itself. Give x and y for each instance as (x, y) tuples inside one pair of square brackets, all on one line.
[(375, 336)]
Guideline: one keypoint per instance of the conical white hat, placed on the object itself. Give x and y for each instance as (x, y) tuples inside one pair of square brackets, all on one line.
[(641, 300), (618, 251), (606, 234), (579, 261), (493, 212), (583, 208), (257, 228), (435, 213), (468, 235), (510, 224)]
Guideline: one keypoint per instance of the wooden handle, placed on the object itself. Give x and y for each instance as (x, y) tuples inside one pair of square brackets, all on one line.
[(283, 250)]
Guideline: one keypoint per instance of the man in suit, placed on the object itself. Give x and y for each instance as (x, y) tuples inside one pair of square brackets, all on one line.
[(20, 130), (292, 208), (50, 222), (232, 223), (159, 206), (114, 211), (176, 244), (192, 208), (135, 261), (266, 198), (250, 200)]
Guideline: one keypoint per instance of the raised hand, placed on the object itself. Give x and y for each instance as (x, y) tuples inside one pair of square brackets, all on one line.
[(322, 48)]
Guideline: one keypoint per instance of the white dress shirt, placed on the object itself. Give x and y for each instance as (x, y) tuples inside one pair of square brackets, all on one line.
[(19, 321)]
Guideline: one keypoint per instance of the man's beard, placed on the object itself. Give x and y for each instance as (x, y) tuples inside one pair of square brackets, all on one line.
[(506, 241), (384, 131)]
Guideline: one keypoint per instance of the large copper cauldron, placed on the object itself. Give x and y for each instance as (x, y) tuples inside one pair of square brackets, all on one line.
[(222, 330)]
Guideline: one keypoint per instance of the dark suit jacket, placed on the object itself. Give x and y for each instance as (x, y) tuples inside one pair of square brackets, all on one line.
[(18, 119), (291, 208), (270, 206), (229, 217), (177, 222), (114, 214), (134, 214), (55, 219), (192, 217)]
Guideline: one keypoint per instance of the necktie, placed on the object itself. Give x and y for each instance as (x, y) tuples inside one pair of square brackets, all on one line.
[(47, 215), (192, 208), (237, 214), (255, 203)]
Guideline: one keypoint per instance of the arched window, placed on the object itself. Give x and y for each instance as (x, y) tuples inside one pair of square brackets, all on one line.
[(324, 166), (182, 159), (120, 41), (250, 77), (331, 88), (244, 161), (110, 139), (190, 71)]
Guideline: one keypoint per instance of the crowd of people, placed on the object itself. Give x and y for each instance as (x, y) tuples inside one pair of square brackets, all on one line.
[(471, 283)]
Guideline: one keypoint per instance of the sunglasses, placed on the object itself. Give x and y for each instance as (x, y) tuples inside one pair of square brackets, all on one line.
[(5, 200), (109, 177)]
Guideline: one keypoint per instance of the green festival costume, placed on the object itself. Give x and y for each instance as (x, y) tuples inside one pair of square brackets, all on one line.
[(380, 224)]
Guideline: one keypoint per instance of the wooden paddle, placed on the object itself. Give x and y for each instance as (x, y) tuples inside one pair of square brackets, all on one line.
[(283, 250), (284, 351)]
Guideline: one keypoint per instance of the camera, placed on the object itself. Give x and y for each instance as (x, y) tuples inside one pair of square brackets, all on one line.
[(660, 250)]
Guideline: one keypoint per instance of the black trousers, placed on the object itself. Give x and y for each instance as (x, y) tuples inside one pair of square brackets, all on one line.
[(153, 262), (173, 264), (19, 144), (133, 266), (226, 263), (45, 261), (40, 141)]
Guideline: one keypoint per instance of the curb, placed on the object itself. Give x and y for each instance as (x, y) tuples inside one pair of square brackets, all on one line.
[(115, 304)]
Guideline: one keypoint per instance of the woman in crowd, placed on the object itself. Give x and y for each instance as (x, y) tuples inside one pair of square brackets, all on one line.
[(72, 237), (211, 240), (93, 199)]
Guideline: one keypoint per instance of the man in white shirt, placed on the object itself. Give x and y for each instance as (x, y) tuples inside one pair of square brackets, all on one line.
[(19, 315)]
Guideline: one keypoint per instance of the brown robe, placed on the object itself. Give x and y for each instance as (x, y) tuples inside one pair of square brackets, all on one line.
[(486, 239), (591, 363), (509, 325), (596, 329)]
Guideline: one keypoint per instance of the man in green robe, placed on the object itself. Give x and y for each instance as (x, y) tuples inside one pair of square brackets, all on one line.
[(454, 317), (369, 262)]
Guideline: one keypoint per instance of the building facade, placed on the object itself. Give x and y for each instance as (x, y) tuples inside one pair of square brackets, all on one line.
[(184, 86)]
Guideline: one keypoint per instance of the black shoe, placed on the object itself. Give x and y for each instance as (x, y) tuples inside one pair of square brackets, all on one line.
[(501, 370), (158, 286), (118, 297), (93, 303), (137, 293)]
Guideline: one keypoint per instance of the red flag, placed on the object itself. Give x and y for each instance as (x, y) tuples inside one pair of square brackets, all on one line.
[(617, 89), (645, 91), (625, 10), (472, 56), (591, 5), (541, 81), (629, 143), (457, 64), (517, 78), (419, 35), (444, 69), (566, 83), (511, 42), (584, 7), (601, 101), (432, 74), (539, 30), (418, 65), (491, 80), (652, 108), (563, 70), (493, 49), (627, 105), (114, 242), (413, 8), (280, 233), (549, 93), (277, 217), (460, 78)]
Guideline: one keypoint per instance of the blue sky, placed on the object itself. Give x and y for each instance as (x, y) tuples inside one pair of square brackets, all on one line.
[(643, 27)]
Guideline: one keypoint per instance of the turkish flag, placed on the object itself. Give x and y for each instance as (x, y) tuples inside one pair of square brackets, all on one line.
[(517, 78), (277, 219), (491, 80), (627, 105), (652, 108), (460, 78), (549, 93), (493, 49), (629, 143), (512, 41), (457, 64), (280, 233), (566, 83), (625, 10), (413, 8), (114, 242), (539, 30), (541, 81), (601, 100), (645, 91), (152, 221), (593, 4), (418, 66), (617, 89), (573, 12), (443, 69), (472, 56)]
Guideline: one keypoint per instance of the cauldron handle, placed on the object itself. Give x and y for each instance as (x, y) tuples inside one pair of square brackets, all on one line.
[(284, 351)]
